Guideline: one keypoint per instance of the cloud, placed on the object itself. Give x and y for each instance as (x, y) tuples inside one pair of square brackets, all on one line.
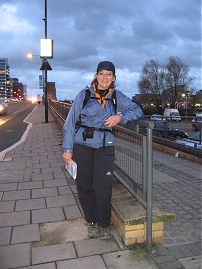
[(10, 22), (128, 33)]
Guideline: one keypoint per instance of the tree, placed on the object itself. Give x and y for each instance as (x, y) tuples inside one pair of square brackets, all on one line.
[(152, 82), (164, 83), (177, 80)]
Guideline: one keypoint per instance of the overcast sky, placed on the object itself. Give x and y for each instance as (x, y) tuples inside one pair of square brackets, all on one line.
[(129, 33)]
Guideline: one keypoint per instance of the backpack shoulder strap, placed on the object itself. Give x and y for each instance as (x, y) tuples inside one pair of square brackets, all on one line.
[(114, 100), (87, 96)]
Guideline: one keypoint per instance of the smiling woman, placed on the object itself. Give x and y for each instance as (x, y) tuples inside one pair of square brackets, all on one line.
[(88, 137)]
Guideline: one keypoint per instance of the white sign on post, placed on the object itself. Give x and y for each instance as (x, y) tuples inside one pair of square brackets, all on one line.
[(46, 48)]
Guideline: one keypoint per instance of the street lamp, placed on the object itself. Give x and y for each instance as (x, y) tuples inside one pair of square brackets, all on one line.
[(30, 55), (185, 96), (46, 52)]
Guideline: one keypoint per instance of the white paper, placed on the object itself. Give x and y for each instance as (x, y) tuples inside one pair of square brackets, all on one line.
[(72, 169)]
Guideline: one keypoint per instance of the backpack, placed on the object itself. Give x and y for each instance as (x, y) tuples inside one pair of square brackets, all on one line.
[(88, 96), (89, 131)]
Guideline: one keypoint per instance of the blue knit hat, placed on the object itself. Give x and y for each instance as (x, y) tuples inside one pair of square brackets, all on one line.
[(105, 65)]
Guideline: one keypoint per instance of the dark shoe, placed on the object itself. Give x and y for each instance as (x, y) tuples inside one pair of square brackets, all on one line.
[(93, 230), (105, 233)]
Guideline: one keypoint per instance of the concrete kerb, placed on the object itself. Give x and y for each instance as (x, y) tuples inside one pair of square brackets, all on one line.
[(129, 218)]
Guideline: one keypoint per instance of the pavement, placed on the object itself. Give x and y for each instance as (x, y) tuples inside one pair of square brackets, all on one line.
[(42, 225)]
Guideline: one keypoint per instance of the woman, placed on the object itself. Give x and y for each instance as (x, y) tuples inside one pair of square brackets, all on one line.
[(88, 137)]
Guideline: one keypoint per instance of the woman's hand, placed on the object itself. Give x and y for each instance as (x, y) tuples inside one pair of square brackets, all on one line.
[(67, 156), (112, 121)]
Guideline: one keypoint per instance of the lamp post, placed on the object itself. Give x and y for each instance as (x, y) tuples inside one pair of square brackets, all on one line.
[(185, 96), (44, 61), (46, 52)]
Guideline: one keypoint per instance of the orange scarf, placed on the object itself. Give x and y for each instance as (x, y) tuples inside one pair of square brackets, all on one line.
[(102, 99)]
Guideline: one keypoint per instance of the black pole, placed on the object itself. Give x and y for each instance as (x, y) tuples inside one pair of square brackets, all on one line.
[(45, 71)]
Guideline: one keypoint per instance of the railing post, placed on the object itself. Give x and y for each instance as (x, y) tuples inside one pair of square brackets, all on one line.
[(144, 163), (149, 194)]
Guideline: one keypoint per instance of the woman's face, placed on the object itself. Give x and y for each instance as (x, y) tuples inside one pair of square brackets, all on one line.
[(104, 79)]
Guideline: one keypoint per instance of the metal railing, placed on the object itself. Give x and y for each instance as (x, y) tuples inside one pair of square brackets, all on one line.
[(133, 163), (134, 166)]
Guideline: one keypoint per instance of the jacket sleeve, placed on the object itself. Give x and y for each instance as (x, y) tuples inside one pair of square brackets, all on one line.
[(130, 111), (70, 122)]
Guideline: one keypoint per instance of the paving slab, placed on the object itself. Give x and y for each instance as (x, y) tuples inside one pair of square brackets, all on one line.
[(170, 265), (7, 206), (16, 195), (95, 246), (42, 177), (55, 183), (64, 190), (51, 170), (8, 186), (30, 185), (14, 218), (25, 233), (63, 231), (83, 263), (5, 175), (47, 215), (30, 204), (53, 253), (60, 200), (5, 235), (72, 212), (130, 259), (44, 192), (60, 175), (193, 262), (14, 256)]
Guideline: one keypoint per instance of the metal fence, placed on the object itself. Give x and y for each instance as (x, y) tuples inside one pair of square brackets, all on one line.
[(133, 163)]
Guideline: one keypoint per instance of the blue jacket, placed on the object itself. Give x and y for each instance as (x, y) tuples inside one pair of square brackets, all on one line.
[(93, 115)]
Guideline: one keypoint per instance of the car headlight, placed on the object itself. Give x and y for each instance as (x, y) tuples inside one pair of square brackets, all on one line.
[(1, 107)]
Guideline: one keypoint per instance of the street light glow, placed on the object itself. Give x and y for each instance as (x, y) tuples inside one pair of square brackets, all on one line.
[(29, 55)]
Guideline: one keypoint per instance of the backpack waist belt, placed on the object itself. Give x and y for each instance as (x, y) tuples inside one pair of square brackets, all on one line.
[(97, 129), (89, 132)]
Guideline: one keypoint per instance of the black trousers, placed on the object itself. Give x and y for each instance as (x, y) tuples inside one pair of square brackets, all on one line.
[(94, 182)]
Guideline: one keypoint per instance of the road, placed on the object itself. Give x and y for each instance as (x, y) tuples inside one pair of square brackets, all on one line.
[(12, 126), (182, 125)]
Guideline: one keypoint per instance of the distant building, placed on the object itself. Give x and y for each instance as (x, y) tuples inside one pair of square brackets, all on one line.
[(19, 89), (51, 91), (5, 81), (10, 87), (198, 99), (144, 100)]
